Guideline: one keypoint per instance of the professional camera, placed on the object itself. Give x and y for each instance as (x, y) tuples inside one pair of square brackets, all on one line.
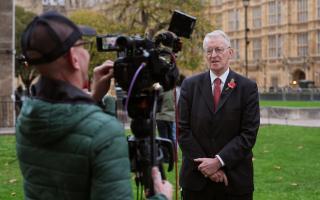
[(142, 65)]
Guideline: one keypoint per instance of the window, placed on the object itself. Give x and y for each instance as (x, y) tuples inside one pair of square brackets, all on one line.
[(302, 44), (217, 2), (45, 2), (318, 43), (275, 46), (235, 46), (274, 81), (302, 10), (279, 46), (233, 20), (53, 2), (218, 20), (256, 49), (274, 12), (61, 2), (256, 17), (318, 8)]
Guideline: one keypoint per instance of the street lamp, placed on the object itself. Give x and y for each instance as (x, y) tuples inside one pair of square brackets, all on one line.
[(246, 29)]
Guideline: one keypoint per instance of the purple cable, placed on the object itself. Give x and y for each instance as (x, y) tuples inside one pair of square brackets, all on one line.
[(131, 85)]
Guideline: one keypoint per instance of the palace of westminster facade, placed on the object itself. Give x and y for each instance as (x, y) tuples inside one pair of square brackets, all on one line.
[(283, 39), (283, 36)]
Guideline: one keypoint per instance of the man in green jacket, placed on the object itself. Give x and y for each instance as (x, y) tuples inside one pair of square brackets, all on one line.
[(67, 147)]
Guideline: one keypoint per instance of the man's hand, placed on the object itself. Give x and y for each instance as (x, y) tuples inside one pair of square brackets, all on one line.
[(208, 166), (101, 80), (219, 176), (161, 186)]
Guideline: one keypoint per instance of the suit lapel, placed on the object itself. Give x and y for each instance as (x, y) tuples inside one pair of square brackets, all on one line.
[(206, 91), (226, 91)]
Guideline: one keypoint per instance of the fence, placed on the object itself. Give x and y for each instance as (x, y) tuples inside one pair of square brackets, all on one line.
[(285, 94), (7, 112), (8, 108)]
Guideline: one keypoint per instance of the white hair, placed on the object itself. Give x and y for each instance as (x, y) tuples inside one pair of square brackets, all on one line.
[(215, 34)]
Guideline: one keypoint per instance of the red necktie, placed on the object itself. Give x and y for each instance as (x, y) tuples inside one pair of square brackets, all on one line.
[(216, 92)]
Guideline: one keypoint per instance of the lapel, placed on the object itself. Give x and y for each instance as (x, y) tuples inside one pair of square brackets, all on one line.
[(226, 91), (206, 90)]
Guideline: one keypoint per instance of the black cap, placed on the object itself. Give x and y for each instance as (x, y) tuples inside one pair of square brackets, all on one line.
[(50, 36)]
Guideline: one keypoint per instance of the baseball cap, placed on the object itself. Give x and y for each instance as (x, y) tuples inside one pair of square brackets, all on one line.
[(50, 36)]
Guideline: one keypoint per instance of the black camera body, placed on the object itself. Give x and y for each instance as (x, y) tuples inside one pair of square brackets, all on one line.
[(159, 65), (132, 51)]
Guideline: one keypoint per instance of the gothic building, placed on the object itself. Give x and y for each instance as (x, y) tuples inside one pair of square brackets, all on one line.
[(63, 6), (6, 63), (283, 39)]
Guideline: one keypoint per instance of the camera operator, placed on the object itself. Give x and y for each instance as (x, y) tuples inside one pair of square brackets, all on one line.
[(67, 147)]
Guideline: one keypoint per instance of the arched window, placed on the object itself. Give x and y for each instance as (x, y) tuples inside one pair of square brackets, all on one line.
[(298, 75)]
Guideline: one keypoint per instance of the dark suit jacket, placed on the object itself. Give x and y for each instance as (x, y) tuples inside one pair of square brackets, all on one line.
[(229, 132)]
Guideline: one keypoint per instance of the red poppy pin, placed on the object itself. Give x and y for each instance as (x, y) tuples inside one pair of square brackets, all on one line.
[(232, 84)]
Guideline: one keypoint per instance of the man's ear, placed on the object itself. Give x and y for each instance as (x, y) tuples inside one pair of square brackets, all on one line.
[(231, 52), (73, 58)]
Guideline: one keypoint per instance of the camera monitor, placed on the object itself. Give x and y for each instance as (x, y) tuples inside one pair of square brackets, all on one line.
[(107, 43), (182, 24)]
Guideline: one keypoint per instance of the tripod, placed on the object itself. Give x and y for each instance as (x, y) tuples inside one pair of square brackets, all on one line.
[(145, 149)]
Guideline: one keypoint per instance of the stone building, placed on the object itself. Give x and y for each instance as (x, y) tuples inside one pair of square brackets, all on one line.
[(6, 63), (34, 6), (63, 6), (283, 39)]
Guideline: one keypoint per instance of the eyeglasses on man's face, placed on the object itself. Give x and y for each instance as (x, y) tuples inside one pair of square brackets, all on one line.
[(86, 44), (217, 50)]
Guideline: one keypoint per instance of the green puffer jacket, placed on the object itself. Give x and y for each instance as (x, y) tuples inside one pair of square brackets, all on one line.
[(69, 149)]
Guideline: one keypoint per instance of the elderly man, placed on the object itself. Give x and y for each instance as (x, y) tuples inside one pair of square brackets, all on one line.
[(67, 147), (218, 121)]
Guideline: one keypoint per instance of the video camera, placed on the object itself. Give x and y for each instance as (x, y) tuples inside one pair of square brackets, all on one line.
[(140, 64), (134, 50)]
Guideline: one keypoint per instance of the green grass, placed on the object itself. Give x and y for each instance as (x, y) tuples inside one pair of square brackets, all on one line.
[(286, 161), (10, 178), (303, 104)]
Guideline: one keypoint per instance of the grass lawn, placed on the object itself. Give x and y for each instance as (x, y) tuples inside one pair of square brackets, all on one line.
[(287, 163), (10, 178), (301, 104)]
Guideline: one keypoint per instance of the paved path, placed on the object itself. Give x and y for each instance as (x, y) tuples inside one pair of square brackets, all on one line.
[(6, 131), (293, 122)]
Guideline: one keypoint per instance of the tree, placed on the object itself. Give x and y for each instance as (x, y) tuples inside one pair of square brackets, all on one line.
[(26, 73), (150, 16)]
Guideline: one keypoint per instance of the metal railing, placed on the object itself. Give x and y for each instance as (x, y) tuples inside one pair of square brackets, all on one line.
[(9, 109), (7, 112), (289, 94)]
